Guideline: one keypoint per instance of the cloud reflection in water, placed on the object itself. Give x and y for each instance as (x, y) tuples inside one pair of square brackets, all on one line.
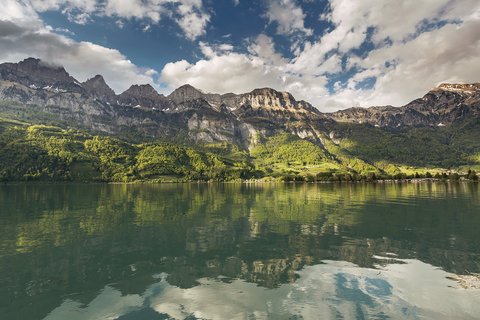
[(331, 290)]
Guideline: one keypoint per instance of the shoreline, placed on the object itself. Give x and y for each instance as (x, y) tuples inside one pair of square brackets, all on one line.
[(246, 182)]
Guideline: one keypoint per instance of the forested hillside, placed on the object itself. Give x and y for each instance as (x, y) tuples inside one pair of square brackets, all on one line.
[(49, 153)]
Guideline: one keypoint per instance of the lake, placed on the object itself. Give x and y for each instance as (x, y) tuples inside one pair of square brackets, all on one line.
[(240, 251)]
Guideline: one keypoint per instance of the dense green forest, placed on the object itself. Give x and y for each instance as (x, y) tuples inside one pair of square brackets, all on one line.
[(48, 153)]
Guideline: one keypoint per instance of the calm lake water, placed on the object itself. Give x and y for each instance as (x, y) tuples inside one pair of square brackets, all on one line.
[(231, 251)]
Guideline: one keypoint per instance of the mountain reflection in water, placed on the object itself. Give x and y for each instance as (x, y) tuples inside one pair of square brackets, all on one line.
[(239, 251)]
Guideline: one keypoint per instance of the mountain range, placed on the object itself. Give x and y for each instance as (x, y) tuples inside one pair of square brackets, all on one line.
[(441, 129)]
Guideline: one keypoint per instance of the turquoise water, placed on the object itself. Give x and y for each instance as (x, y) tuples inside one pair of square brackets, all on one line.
[(232, 251)]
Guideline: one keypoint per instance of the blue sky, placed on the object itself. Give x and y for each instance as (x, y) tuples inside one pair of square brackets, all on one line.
[(333, 53), (164, 41)]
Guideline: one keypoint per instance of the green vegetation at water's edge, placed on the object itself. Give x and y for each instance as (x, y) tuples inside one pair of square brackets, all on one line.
[(49, 153)]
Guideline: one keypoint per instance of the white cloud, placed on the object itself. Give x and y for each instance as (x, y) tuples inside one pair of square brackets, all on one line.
[(189, 15), (211, 51), (120, 23), (83, 5), (61, 30), (395, 20), (449, 54), (419, 58), (20, 39), (264, 48), (288, 15), (137, 9), (20, 13), (230, 72), (77, 11), (227, 71), (44, 5), (422, 57), (193, 20)]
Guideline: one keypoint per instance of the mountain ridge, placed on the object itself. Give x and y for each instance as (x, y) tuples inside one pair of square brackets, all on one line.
[(358, 139), (261, 102)]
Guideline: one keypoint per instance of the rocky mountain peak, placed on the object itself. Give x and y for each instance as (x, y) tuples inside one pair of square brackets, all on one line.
[(143, 96), (270, 92), (97, 83), (185, 93), (32, 62), (97, 78), (188, 87), (43, 70), (99, 89), (264, 91), (142, 90), (38, 74)]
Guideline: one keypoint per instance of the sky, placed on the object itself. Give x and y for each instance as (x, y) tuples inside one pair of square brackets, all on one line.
[(333, 53)]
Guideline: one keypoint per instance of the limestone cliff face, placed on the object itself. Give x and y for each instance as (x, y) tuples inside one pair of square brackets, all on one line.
[(269, 100), (264, 102), (204, 128), (36, 91)]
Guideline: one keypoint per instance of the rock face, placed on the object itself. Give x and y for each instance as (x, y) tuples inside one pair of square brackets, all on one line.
[(439, 107), (269, 99), (186, 93), (270, 104), (45, 91)]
